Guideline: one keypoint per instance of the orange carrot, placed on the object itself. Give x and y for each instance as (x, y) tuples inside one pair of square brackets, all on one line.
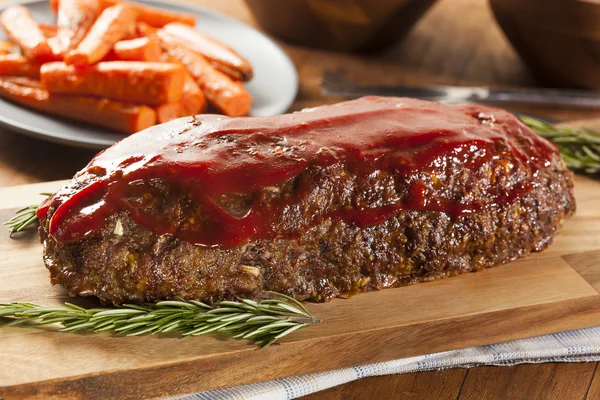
[(48, 30), (151, 15), (141, 49), (132, 33), (112, 25), (155, 16), (143, 29), (221, 56), (17, 65), (23, 81), (54, 6), (25, 32), (74, 20), (193, 100), (128, 81), (55, 48), (7, 47), (220, 90), (122, 117), (167, 112)]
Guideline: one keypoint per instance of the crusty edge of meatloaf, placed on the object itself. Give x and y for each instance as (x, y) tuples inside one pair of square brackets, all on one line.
[(127, 262)]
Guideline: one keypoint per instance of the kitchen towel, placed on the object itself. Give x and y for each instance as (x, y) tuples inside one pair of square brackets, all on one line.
[(573, 346)]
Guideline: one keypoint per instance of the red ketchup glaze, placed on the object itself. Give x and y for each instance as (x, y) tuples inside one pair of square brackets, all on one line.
[(212, 155)]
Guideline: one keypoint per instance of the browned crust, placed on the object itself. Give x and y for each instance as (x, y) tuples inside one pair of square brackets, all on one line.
[(323, 261)]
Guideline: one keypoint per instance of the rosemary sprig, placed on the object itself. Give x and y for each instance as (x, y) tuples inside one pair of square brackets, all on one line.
[(263, 321), (22, 219), (580, 148)]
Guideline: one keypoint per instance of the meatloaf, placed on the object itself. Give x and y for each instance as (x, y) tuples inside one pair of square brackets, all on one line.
[(331, 201)]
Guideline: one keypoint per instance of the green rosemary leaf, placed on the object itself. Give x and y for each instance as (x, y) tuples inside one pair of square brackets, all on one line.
[(23, 218), (288, 331), (290, 299), (200, 304), (172, 303), (264, 321), (74, 306), (580, 148)]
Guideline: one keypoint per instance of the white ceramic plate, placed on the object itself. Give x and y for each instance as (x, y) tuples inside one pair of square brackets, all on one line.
[(273, 88)]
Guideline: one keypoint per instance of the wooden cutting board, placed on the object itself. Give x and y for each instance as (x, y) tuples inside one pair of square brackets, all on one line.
[(553, 291)]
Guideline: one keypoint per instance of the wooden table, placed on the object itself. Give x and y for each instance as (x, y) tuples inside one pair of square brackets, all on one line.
[(456, 43)]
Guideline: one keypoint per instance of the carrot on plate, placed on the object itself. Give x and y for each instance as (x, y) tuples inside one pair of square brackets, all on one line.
[(154, 16), (151, 15), (145, 30), (226, 95), (54, 6), (110, 27), (17, 65), (121, 117), (48, 30), (132, 33), (7, 47), (23, 81), (193, 100), (25, 32), (167, 112), (140, 49), (221, 56), (158, 17), (128, 81), (74, 20)]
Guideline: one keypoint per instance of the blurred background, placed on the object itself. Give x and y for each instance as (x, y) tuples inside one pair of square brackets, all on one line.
[(495, 43)]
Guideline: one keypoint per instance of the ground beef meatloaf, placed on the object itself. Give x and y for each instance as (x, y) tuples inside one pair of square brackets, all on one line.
[(331, 201)]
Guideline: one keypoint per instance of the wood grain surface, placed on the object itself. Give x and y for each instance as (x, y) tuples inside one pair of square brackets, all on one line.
[(496, 305), (456, 43)]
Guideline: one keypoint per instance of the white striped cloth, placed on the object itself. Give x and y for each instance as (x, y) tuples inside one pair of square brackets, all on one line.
[(574, 346)]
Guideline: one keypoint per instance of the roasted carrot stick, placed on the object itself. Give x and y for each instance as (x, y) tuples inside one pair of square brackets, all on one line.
[(7, 47), (156, 16), (151, 15), (74, 20), (125, 118), (48, 30), (17, 65), (221, 56), (109, 28), (193, 100), (132, 33), (25, 32), (159, 18), (167, 112), (225, 94), (143, 29), (128, 81), (141, 49), (54, 6), (23, 81), (55, 47)]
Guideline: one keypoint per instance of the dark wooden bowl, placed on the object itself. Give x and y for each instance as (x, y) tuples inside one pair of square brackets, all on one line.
[(558, 39), (347, 25)]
